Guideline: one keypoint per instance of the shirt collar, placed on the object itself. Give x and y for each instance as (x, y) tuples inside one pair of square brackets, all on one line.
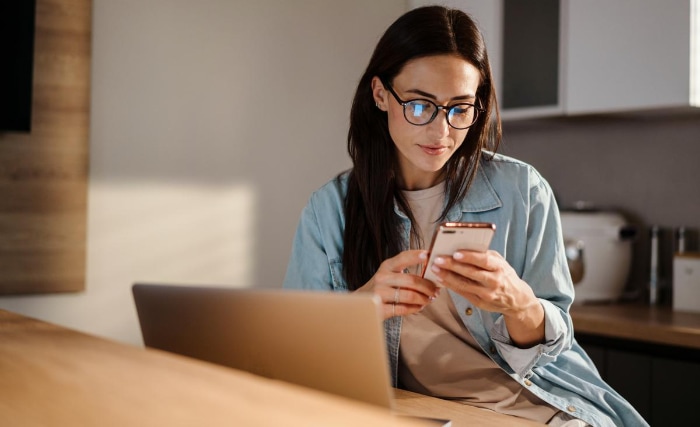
[(481, 197)]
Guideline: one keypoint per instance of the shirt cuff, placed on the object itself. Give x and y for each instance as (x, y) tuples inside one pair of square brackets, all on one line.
[(522, 360)]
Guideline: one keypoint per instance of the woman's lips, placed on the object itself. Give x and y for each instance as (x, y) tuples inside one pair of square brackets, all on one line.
[(433, 150)]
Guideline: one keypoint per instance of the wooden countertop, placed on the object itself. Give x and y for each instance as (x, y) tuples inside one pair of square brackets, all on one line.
[(658, 325), (51, 375)]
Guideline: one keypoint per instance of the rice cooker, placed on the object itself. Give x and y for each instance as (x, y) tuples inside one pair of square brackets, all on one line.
[(599, 253)]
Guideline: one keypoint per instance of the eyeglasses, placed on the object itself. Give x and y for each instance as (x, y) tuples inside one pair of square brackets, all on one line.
[(420, 112)]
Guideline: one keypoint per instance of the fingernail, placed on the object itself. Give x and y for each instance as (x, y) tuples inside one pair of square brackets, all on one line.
[(423, 255), (439, 260), (457, 255), (435, 268)]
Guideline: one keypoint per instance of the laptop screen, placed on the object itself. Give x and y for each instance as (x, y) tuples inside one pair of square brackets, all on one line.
[(328, 341)]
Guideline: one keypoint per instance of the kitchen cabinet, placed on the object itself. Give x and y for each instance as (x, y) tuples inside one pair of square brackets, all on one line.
[(629, 373), (659, 381), (674, 394), (649, 354), (571, 57)]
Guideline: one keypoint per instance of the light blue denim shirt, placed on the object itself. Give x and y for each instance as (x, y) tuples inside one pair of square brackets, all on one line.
[(512, 195)]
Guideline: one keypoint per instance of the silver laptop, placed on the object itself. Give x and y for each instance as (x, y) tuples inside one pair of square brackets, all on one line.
[(328, 341)]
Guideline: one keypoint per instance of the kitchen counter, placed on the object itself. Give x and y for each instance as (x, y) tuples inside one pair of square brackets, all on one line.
[(658, 325)]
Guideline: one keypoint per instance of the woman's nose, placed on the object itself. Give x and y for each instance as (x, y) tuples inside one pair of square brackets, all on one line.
[(439, 126)]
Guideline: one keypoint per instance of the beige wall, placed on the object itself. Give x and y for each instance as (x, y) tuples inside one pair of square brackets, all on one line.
[(211, 123)]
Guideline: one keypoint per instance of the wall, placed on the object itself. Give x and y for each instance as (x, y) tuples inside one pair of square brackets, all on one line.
[(211, 123), (644, 165)]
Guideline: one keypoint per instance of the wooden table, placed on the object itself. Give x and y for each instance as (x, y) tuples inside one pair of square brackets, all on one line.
[(658, 325), (53, 376), (461, 415)]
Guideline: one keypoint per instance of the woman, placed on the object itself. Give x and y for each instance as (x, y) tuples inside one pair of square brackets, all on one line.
[(499, 334)]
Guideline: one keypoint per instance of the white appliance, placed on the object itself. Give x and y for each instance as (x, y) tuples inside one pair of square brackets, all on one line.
[(686, 282), (599, 252)]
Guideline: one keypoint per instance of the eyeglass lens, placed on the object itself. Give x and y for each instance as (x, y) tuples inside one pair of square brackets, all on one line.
[(422, 112)]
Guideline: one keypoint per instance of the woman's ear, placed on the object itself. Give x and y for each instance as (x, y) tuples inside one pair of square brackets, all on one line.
[(379, 93)]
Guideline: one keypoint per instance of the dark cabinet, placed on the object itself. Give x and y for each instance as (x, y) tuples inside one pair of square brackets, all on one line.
[(630, 374), (530, 54), (659, 381), (674, 395)]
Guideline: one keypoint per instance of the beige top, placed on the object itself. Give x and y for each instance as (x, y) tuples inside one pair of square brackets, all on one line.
[(438, 355)]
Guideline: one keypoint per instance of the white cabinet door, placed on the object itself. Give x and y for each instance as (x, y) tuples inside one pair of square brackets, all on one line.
[(625, 54)]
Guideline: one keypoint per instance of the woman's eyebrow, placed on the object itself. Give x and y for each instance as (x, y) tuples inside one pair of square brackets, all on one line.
[(433, 97)]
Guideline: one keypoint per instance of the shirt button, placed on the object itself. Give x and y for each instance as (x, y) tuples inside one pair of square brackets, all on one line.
[(571, 408), (529, 383), (469, 311)]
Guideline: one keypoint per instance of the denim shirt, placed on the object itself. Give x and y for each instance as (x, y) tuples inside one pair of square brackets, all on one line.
[(512, 195)]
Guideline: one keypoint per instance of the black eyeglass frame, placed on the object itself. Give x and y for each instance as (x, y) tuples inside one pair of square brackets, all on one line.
[(477, 110)]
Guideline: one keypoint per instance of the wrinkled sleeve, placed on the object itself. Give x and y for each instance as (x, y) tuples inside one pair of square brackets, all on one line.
[(308, 266), (522, 360), (547, 273)]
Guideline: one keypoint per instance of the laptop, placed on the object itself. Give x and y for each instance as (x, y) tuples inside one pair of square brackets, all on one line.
[(328, 341)]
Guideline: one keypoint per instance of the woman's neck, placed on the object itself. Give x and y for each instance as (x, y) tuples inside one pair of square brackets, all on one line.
[(420, 181)]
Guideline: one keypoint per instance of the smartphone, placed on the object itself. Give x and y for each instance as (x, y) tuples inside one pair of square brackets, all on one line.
[(451, 237)]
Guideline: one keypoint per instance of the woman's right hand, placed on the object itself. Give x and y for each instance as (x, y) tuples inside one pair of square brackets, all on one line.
[(401, 293)]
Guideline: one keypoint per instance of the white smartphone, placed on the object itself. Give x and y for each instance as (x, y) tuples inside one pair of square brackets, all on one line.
[(451, 237)]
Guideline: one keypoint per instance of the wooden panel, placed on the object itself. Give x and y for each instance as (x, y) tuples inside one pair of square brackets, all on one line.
[(43, 174)]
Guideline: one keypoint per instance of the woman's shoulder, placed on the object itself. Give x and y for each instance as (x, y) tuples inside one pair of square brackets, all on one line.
[(503, 161), (333, 191), (499, 166)]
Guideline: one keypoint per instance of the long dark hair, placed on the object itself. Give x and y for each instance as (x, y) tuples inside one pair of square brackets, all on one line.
[(372, 230)]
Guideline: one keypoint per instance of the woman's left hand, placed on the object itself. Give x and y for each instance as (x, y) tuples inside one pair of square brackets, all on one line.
[(490, 283)]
